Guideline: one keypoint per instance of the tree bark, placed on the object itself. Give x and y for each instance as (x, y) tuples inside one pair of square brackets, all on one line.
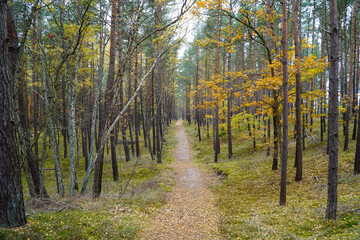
[(158, 96), (217, 72), (331, 207), (284, 146), (100, 162), (298, 154), (11, 194), (230, 97), (349, 96)]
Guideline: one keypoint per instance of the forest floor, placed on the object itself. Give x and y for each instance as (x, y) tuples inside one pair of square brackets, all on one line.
[(247, 198), (190, 211)]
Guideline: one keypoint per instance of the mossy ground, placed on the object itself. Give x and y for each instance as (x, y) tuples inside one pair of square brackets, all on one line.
[(248, 197), (108, 217)]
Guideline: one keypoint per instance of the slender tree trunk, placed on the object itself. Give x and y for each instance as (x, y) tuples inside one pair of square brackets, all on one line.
[(100, 162), (356, 67), (333, 114), (349, 96), (158, 95), (71, 122), (230, 97), (323, 75), (298, 154), (121, 87), (284, 146), (217, 72), (52, 131), (136, 113), (357, 152)]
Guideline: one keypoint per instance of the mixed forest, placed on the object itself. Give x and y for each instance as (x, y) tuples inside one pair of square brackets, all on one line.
[(90, 90)]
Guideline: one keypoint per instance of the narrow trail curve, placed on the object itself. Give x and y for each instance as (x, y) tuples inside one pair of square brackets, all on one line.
[(189, 212)]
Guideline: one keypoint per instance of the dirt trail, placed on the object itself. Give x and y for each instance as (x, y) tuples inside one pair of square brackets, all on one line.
[(190, 212)]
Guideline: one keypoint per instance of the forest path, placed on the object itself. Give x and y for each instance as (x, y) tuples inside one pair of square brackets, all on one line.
[(189, 212)]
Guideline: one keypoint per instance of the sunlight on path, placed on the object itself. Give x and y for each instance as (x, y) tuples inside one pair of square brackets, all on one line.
[(190, 212)]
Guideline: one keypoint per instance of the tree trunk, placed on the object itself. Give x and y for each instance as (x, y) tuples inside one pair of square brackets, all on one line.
[(298, 154), (158, 96), (349, 96), (217, 72), (230, 97), (11, 195), (284, 146), (323, 75), (356, 68), (136, 111), (333, 114), (197, 110), (121, 89), (71, 122), (100, 162)]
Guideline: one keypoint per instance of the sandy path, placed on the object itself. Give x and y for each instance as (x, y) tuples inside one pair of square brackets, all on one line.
[(190, 212)]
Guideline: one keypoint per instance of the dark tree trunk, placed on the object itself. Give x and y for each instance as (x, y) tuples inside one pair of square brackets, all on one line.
[(121, 89), (216, 112), (276, 123), (333, 114), (85, 147), (158, 96), (136, 113), (298, 154), (229, 100), (349, 96), (357, 152), (356, 68), (284, 146), (11, 196), (197, 110)]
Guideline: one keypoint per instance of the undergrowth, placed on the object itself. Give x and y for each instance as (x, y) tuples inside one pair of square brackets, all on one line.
[(116, 214), (248, 197)]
